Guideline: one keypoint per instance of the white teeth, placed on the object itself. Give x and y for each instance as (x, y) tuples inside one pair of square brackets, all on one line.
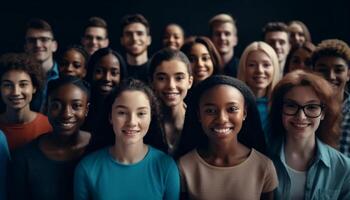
[(222, 130), (300, 125)]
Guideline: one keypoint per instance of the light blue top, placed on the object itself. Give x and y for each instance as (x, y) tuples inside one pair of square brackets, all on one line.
[(99, 176), (327, 178), (4, 161)]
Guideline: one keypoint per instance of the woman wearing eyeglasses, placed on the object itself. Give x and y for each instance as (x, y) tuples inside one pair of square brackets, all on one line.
[(305, 130)]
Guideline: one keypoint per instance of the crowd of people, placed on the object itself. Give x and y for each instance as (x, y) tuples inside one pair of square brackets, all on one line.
[(192, 121)]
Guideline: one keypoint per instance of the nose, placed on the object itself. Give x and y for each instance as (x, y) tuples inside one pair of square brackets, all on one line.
[(171, 83), (223, 117), (66, 112), (331, 75), (132, 120), (259, 69), (301, 114), (107, 76), (277, 45), (69, 68), (172, 39), (16, 90)]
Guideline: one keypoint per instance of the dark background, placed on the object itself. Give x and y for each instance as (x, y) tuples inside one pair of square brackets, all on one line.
[(325, 19)]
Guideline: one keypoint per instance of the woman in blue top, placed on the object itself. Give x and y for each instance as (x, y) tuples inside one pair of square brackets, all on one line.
[(260, 70), (129, 169), (4, 160), (305, 129)]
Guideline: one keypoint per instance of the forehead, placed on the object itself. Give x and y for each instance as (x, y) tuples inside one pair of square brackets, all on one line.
[(16, 75), (199, 48), (132, 99), (175, 29), (302, 94), (38, 33), (331, 61), (276, 35), (258, 54), (227, 94), (301, 52), (96, 31), (135, 27), (224, 27), (108, 60), (172, 67), (68, 92), (295, 28)]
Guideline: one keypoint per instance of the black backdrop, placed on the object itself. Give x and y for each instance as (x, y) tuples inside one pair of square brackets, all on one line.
[(325, 19)]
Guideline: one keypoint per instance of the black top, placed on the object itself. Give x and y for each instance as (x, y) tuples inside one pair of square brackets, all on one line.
[(231, 68), (138, 72)]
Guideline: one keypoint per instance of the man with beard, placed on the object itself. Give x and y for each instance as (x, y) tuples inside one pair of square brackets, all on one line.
[(135, 39), (41, 44), (223, 33)]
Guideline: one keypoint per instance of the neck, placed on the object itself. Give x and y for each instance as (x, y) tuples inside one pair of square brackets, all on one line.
[(128, 154), (300, 153), (65, 141), (226, 57), (223, 149), (23, 115), (259, 93), (174, 113), (47, 65), (137, 60)]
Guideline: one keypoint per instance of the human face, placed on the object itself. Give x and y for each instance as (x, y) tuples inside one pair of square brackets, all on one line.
[(300, 60), (17, 89), (222, 118), (106, 74), (173, 37), (135, 39), (40, 44), (297, 35), (73, 64), (259, 72), (130, 117), (335, 70), (171, 81), (224, 37), (67, 109), (94, 39), (201, 63), (280, 43), (299, 126)]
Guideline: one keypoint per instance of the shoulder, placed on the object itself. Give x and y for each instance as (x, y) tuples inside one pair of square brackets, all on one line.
[(188, 159), (159, 156), (261, 161), (336, 158), (94, 159), (27, 152)]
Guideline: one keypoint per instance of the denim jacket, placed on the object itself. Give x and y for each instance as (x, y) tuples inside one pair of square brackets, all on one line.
[(327, 178)]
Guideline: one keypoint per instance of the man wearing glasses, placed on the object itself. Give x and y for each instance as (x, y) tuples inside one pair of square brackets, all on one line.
[(95, 35), (41, 44)]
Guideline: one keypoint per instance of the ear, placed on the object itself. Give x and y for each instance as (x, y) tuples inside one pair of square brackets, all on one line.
[(107, 42), (190, 82), (348, 76), (322, 115), (149, 40), (34, 90), (110, 119), (54, 46), (122, 41), (245, 113), (84, 73)]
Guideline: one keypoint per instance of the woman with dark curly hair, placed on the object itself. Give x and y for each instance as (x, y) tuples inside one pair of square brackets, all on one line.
[(21, 79)]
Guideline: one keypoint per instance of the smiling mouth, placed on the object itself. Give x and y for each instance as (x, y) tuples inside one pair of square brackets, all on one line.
[(130, 132), (222, 131)]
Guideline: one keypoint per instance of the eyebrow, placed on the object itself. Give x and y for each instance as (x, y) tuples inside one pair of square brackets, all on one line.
[(310, 101), (125, 107)]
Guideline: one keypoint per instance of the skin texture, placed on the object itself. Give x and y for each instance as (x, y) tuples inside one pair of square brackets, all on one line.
[(171, 82), (173, 37), (201, 63), (73, 64), (335, 70), (17, 90), (106, 74), (224, 37), (135, 39), (297, 36), (94, 39), (280, 43), (259, 72), (300, 60)]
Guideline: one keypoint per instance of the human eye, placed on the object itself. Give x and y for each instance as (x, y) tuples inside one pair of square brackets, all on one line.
[(312, 107), (267, 64), (77, 65), (180, 77), (64, 63), (160, 78), (6, 85), (251, 64), (98, 70), (192, 58), (206, 58), (233, 109), (55, 105), (77, 106), (23, 84), (142, 113), (115, 72), (120, 112), (210, 110), (339, 69)]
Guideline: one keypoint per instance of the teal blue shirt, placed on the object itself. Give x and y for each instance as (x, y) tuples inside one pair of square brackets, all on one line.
[(263, 108), (327, 178), (99, 176), (4, 160)]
